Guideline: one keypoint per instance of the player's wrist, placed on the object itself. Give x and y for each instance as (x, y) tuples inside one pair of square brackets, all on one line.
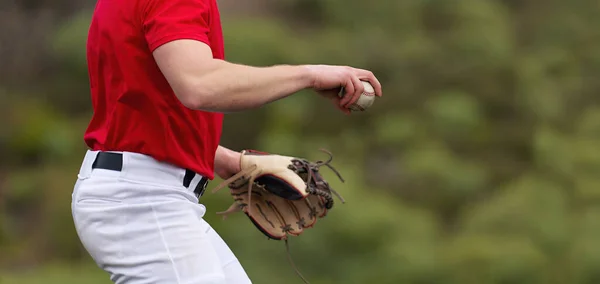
[(235, 161), (308, 75), (227, 162)]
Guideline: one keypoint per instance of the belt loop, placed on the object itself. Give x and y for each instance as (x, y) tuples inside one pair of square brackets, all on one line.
[(197, 185), (86, 167), (125, 166), (194, 182)]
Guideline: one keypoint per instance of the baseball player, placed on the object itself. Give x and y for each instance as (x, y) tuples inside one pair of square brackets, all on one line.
[(159, 87)]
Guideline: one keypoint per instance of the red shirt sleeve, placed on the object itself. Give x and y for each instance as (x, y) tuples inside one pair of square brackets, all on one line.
[(167, 20)]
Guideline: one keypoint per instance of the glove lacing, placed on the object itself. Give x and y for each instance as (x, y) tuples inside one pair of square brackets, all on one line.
[(253, 172)]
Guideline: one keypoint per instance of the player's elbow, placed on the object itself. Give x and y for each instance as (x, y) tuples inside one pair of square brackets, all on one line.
[(194, 99), (200, 96), (189, 101)]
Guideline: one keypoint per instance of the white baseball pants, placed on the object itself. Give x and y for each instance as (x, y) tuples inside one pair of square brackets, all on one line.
[(141, 225)]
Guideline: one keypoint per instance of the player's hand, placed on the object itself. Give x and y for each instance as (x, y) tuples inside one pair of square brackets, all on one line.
[(329, 79)]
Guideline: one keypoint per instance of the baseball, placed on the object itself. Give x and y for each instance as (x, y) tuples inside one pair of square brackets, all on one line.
[(365, 100)]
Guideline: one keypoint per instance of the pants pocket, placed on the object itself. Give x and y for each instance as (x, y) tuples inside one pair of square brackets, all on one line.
[(100, 225)]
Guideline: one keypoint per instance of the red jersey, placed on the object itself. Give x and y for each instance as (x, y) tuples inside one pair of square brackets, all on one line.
[(135, 109)]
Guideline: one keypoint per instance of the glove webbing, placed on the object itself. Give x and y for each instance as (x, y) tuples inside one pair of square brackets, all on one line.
[(301, 166)]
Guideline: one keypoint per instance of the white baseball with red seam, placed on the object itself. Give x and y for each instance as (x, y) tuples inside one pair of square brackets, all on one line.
[(365, 100)]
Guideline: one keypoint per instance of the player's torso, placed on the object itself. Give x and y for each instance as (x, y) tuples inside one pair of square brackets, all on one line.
[(134, 107)]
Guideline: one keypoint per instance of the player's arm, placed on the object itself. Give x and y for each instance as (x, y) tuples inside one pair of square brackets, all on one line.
[(203, 83), (177, 34), (227, 162)]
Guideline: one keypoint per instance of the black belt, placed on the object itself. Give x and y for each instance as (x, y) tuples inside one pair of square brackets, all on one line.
[(114, 162)]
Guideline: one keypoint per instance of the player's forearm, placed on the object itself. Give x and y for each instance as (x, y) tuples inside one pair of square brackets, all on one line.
[(227, 162), (229, 87)]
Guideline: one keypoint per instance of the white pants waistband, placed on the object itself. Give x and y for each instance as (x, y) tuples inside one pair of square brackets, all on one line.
[(142, 168)]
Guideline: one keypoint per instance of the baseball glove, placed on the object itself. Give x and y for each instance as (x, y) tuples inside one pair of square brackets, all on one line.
[(281, 195)]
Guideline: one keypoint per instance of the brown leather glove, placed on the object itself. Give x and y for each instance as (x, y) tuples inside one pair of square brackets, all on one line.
[(281, 195)]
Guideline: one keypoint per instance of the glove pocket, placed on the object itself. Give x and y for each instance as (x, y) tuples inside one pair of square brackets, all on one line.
[(288, 214), (274, 216)]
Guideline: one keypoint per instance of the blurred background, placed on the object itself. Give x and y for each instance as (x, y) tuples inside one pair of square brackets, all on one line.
[(480, 165)]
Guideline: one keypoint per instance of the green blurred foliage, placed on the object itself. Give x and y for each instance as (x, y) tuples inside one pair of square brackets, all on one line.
[(479, 165)]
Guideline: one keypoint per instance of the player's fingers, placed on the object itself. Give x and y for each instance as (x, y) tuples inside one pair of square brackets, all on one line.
[(359, 88), (334, 96), (349, 90), (336, 101), (369, 76)]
